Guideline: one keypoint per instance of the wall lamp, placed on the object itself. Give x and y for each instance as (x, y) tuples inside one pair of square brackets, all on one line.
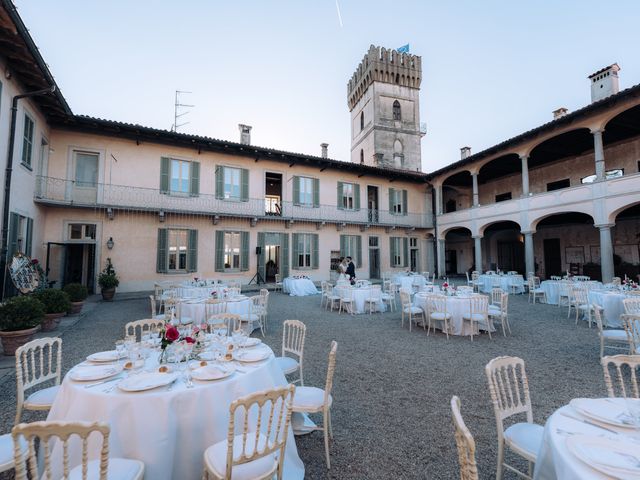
[(110, 243)]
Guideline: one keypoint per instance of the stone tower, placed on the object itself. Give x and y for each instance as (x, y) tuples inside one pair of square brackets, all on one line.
[(383, 96)]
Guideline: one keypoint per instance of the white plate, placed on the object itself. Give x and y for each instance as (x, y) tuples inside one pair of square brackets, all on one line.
[(108, 356), (610, 411), (253, 355), (611, 457), (96, 372), (213, 372), (146, 381), (251, 342)]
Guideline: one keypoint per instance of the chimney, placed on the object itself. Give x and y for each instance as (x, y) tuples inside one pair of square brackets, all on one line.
[(604, 82), (245, 134), (324, 148), (465, 152), (559, 113)]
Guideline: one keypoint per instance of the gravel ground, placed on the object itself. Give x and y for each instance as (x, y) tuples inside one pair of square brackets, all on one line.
[(392, 388)]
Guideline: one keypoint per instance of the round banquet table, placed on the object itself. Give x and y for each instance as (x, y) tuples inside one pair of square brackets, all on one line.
[(195, 308), (359, 297), (612, 304), (457, 307), (556, 461), (505, 282), (552, 288), (409, 281), (201, 292), (168, 430), (298, 287)]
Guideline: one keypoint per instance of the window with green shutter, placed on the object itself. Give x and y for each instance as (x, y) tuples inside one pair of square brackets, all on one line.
[(284, 257), (180, 177), (165, 166), (194, 179), (162, 250), (219, 256), (232, 251), (244, 239), (306, 191), (397, 201), (232, 183), (20, 234), (348, 196), (192, 250), (351, 246), (177, 250), (14, 234), (27, 140), (399, 252), (305, 250)]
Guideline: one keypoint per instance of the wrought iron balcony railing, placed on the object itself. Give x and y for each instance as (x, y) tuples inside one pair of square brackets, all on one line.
[(60, 191)]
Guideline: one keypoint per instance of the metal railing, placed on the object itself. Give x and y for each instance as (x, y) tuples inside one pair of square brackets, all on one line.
[(60, 191)]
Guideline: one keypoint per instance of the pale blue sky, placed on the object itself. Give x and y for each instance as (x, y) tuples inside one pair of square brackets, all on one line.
[(491, 69)]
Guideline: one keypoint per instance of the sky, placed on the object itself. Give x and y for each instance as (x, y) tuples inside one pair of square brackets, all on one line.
[(491, 69)]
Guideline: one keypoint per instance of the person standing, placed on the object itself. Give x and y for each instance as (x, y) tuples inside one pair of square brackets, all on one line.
[(351, 270)]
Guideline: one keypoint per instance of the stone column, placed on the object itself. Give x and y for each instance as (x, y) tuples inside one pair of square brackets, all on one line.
[(438, 199), (598, 149), (529, 258), (431, 264), (606, 253), (478, 252), (524, 159), (474, 177), (441, 262)]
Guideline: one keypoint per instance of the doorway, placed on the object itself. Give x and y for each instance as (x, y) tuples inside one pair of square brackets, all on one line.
[(552, 257), (372, 203), (79, 264), (511, 256), (374, 258), (274, 253), (450, 262), (414, 255), (273, 194)]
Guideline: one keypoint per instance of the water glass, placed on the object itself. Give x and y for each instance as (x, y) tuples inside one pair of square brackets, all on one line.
[(120, 349)]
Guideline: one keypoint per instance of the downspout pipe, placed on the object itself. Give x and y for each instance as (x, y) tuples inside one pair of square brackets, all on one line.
[(7, 182)]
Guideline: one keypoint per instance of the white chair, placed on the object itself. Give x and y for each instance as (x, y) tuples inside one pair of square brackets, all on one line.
[(259, 312), (251, 314), (468, 280), (232, 321), (138, 328), (465, 443), (509, 390), (496, 296), (38, 362), (582, 305), (26, 463), (564, 294), (501, 313), (346, 300), (278, 287), (626, 367), (476, 283), (631, 305), (535, 290), (259, 451), (374, 298), (333, 299), (437, 312), (410, 310), (7, 451), (152, 300), (213, 306), (631, 324), (176, 306), (615, 337), (293, 337), (324, 292), (389, 295), (315, 400), (478, 314)]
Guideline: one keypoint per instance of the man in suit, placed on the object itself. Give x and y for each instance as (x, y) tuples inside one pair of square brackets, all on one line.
[(351, 270)]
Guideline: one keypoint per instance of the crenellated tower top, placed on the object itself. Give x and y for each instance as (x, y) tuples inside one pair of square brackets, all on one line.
[(384, 65)]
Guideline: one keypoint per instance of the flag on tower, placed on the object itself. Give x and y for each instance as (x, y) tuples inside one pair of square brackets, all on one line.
[(404, 49)]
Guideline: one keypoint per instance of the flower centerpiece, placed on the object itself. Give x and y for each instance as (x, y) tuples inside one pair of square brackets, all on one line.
[(445, 287), (628, 284), (169, 334)]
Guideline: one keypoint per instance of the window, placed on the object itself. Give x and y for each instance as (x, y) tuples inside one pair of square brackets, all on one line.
[(557, 185), (351, 246), (20, 234), (414, 254), (27, 140), (348, 196), (306, 191), (81, 231), (361, 121), (181, 177), (232, 251), (397, 113), (177, 250), (609, 174), (501, 197), (86, 169), (397, 201), (399, 249), (305, 250), (232, 183), (361, 155)]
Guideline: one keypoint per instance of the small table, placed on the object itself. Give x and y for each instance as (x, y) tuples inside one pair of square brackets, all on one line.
[(457, 307), (408, 281), (612, 303), (359, 297), (195, 308), (508, 283), (299, 287)]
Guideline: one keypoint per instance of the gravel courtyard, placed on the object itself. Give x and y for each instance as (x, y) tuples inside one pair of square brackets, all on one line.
[(392, 388)]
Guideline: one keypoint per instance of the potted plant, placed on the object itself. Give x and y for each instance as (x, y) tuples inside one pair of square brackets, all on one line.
[(77, 295), (20, 318), (56, 304), (108, 281)]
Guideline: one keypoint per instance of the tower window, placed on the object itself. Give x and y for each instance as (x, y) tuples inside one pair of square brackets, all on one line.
[(361, 121), (397, 113), (361, 156)]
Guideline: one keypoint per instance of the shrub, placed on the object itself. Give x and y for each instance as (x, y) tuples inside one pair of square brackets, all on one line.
[(21, 313), (76, 291), (108, 277), (54, 300)]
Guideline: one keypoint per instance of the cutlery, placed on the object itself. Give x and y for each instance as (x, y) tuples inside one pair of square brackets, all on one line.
[(102, 382)]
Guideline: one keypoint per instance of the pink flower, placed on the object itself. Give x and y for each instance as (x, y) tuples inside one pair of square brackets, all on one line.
[(35, 261), (445, 284), (172, 334), (189, 340)]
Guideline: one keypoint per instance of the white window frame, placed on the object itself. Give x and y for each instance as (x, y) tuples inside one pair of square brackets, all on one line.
[(75, 154), (235, 182), (178, 249), (182, 166), (232, 253), (398, 204), (348, 198), (306, 252), (306, 190), (28, 142), (398, 259), (85, 232)]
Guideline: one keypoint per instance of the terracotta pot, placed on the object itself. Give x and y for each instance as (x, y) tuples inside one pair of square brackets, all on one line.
[(51, 321), (11, 341), (108, 293), (76, 307)]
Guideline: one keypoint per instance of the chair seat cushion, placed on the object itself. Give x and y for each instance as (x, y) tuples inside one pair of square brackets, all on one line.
[(287, 364), (524, 439), (6, 450), (215, 458), (412, 310), (250, 317), (539, 290), (494, 309), (440, 316), (42, 398), (476, 317), (618, 335), (119, 469), (309, 399)]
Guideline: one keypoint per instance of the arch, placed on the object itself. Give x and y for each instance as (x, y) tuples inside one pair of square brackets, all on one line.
[(633, 206), (507, 224), (499, 167), (397, 111), (397, 147), (624, 125), (443, 233), (569, 143), (565, 215)]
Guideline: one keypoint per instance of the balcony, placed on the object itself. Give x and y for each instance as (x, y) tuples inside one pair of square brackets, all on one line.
[(62, 192)]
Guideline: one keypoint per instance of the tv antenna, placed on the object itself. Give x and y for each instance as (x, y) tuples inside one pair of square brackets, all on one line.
[(177, 113)]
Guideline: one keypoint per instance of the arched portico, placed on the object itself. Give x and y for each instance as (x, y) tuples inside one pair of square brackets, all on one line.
[(500, 179), (455, 251), (503, 246), (456, 192)]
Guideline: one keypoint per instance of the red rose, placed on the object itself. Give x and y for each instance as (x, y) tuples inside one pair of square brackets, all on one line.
[(172, 334), (34, 261), (189, 340)]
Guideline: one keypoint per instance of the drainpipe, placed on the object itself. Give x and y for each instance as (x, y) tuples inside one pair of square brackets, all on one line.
[(7, 182)]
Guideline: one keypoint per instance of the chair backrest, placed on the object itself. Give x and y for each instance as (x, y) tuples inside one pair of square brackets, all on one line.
[(294, 333), (264, 292), (331, 367), (263, 418), (504, 303), (627, 375), (405, 298), (617, 281), (38, 361), (579, 296), (596, 313), (233, 321), (278, 278), (464, 442), (475, 275), (496, 296), (345, 292), (479, 304), (468, 289), (509, 389), (631, 305), (138, 328), (375, 291), (152, 300), (213, 306), (437, 303), (467, 274), (631, 324), (26, 464), (233, 291)]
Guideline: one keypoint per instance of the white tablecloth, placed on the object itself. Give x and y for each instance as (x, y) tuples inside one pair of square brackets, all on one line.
[(612, 304), (555, 461), (195, 309), (408, 281), (201, 292), (552, 288), (457, 307), (299, 287), (505, 282), (359, 296), (169, 430)]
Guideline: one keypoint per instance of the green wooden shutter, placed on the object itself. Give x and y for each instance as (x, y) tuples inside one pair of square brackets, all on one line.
[(14, 222), (220, 182), (194, 179), (359, 251), (316, 192), (161, 259), (219, 261), (405, 247), (343, 245), (284, 255), (28, 240), (244, 185), (405, 204), (315, 251), (356, 197), (295, 263), (392, 252), (392, 192), (165, 165), (261, 258), (244, 249), (192, 251), (340, 195), (296, 190)]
